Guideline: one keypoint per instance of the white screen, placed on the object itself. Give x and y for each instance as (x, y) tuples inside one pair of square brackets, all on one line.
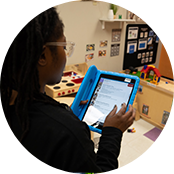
[(107, 94)]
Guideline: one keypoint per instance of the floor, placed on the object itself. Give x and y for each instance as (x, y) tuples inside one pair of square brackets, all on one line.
[(141, 154)]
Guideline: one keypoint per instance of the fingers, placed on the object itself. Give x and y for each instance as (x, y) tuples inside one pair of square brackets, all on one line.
[(122, 110), (114, 110), (130, 116)]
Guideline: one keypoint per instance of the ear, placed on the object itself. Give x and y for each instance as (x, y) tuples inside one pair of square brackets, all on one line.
[(42, 60)]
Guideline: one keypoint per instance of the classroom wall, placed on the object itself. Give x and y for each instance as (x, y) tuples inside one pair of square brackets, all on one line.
[(166, 63), (82, 26)]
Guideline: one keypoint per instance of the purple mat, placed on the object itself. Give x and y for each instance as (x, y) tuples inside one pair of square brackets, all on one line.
[(159, 136)]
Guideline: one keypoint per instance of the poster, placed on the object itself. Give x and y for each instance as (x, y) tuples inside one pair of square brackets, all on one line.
[(165, 117), (89, 57), (145, 110), (103, 44), (131, 47), (132, 33), (115, 49), (141, 13), (141, 45), (132, 10), (102, 53), (90, 47), (116, 35), (150, 11)]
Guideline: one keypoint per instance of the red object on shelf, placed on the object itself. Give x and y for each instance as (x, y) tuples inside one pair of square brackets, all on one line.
[(59, 94), (73, 90), (78, 80), (68, 73), (63, 93), (69, 91)]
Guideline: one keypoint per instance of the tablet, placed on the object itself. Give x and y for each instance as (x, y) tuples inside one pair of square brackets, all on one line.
[(104, 90)]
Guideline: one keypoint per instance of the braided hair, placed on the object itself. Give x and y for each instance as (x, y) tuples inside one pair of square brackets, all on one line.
[(19, 71)]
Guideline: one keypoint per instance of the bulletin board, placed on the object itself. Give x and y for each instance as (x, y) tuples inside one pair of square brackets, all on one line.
[(141, 45)]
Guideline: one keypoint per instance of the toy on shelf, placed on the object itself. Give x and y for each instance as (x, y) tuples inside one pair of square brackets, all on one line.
[(71, 80), (131, 70), (151, 74)]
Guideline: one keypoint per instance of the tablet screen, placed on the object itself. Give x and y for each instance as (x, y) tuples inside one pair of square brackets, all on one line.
[(110, 91)]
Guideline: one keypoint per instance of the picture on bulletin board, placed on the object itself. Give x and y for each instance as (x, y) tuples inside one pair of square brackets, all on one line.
[(103, 44), (165, 117), (132, 10), (141, 44), (145, 110), (141, 13), (89, 57), (150, 12), (132, 33), (90, 47), (158, 14), (102, 53)]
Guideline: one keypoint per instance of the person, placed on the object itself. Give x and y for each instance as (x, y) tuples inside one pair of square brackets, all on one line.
[(46, 128)]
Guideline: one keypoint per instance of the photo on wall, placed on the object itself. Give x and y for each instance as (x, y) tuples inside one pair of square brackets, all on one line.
[(132, 11), (165, 117), (158, 12), (103, 43), (141, 13), (145, 110), (102, 53), (89, 57), (90, 47), (150, 13)]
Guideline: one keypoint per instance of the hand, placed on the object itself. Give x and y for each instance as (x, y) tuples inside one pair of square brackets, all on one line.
[(120, 120), (83, 102)]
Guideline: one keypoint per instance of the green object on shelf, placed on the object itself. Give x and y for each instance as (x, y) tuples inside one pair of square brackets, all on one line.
[(119, 16)]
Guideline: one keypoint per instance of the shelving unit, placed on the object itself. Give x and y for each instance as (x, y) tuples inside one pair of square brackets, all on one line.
[(121, 21)]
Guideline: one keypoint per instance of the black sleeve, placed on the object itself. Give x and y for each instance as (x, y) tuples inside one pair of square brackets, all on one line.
[(81, 155), (109, 149)]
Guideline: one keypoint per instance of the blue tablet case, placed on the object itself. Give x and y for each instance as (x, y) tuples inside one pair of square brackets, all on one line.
[(87, 88)]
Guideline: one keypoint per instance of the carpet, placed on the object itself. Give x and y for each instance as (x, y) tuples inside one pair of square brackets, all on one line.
[(159, 136)]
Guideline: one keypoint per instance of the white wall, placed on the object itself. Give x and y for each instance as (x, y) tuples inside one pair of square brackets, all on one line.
[(82, 26)]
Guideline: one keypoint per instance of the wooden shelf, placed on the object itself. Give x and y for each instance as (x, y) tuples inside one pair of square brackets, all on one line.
[(121, 21)]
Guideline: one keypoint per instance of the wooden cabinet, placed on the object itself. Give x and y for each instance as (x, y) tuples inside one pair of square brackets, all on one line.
[(155, 101)]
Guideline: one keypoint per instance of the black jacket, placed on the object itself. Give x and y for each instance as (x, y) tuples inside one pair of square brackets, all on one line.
[(58, 138)]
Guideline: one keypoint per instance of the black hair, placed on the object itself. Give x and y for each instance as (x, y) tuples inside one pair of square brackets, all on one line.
[(19, 71)]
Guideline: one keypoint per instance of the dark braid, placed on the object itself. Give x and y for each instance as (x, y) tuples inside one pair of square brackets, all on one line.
[(19, 70)]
